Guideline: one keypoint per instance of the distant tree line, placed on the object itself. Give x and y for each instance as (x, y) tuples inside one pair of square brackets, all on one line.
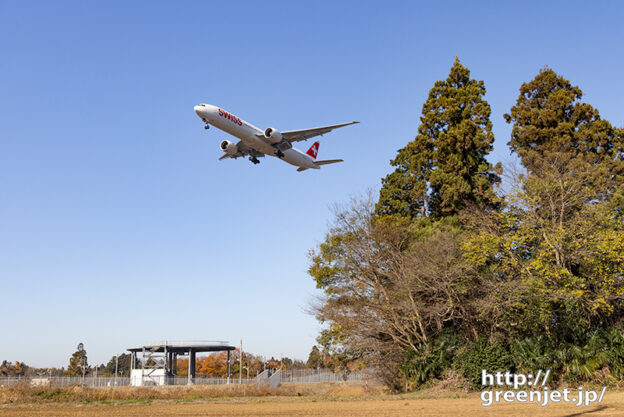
[(20, 369), (212, 365), (450, 270)]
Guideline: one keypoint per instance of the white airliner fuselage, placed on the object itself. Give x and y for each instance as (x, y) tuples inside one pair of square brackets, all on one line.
[(255, 142)]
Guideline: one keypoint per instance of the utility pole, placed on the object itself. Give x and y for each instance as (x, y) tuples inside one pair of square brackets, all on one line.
[(116, 367), (84, 369), (240, 367)]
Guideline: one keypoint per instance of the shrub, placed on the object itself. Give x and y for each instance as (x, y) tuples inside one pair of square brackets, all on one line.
[(480, 355), (431, 360)]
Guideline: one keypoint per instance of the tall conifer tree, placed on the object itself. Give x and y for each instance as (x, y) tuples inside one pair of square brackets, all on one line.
[(444, 167), (78, 361), (553, 129)]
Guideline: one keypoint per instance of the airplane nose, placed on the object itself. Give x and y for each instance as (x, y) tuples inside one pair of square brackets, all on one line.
[(203, 111)]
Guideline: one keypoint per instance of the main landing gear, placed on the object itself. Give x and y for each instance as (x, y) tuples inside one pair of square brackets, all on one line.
[(254, 160), (279, 153)]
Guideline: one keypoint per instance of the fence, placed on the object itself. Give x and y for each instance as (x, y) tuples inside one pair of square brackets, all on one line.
[(304, 376), (299, 376), (65, 381)]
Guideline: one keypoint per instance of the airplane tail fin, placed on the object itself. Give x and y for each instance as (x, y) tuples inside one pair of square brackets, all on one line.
[(328, 161), (313, 151)]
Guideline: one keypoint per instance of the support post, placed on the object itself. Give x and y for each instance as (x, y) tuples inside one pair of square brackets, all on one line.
[(191, 367), (166, 364), (240, 367), (228, 367)]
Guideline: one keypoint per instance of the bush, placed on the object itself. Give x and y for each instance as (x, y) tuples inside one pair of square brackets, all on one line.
[(431, 360), (475, 357)]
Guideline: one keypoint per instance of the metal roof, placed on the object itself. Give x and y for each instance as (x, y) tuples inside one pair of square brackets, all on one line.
[(182, 346)]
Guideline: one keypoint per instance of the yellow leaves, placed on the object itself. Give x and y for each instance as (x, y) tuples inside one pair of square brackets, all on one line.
[(600, 305), (213, 365), (479, 249)]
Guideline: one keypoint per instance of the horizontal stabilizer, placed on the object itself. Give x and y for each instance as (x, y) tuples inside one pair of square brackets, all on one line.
[(301, 169), (328, 161)]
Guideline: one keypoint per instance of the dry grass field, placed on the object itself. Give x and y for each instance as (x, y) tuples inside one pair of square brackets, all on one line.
[(340, 400)]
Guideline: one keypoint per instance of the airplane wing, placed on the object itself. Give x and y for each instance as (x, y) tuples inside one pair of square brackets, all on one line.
[(243, 150), (299, 135)]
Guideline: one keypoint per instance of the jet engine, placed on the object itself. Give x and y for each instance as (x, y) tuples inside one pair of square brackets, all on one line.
[(273, 135), (229, 147)]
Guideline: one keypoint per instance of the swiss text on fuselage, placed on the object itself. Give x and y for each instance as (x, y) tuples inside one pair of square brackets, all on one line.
[(231, 117)]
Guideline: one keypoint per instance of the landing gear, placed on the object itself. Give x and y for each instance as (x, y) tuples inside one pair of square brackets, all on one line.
[(206, 121), (207, 127), (279, 153), (254, 160)]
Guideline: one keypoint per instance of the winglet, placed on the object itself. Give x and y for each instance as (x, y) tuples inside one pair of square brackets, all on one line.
[(313, 151)]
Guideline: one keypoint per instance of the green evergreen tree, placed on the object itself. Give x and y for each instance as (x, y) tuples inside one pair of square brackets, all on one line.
[(315, 358), (444, 167), (553, 128), (121, 363), (78, 361)]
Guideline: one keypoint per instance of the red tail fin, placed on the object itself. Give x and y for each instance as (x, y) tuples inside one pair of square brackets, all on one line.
[(313, 151)]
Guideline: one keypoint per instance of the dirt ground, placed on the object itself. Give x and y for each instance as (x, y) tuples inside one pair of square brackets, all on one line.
[(466, 405)]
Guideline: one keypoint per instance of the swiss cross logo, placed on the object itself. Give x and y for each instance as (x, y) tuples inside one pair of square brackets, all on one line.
[(313, 151)]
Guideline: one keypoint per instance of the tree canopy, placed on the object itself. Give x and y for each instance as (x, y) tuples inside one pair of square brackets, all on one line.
[(444, 167)]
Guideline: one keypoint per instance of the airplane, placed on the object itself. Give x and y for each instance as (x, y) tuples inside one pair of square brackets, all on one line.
[(256, 143)]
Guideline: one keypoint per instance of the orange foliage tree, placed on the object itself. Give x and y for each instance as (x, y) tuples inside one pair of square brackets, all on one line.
[(215, 365)]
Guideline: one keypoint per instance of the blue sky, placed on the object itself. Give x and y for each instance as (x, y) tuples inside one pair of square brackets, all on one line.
[(118, 225)]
